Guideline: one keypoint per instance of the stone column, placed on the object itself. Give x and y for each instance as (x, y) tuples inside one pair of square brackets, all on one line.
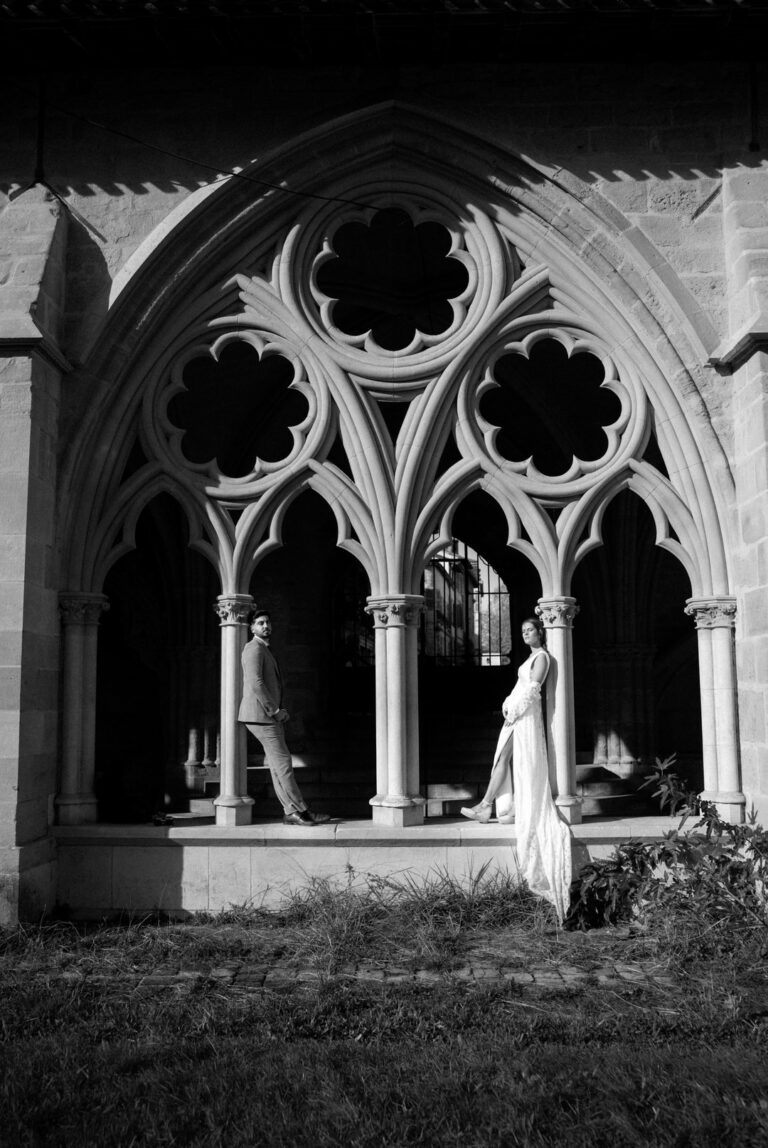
[(715, 622), (557, 614), (80, 614), (397, 801), (233, 805)]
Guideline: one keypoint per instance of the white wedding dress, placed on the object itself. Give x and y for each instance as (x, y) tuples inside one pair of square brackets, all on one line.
[(543, 838)]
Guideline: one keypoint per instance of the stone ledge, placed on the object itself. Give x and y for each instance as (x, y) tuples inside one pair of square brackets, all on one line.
[(348, 833)]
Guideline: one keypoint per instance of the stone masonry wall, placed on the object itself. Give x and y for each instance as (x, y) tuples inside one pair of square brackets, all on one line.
[(654, 140), (746, 238), (33, 232)]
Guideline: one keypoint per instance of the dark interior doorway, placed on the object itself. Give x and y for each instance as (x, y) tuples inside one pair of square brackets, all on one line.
[(158, 671)]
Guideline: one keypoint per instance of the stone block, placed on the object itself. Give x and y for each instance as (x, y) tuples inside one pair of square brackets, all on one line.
[(8, 803), (400, 864), (740, 215), (10, 643), (751, 472), (28, 271), (10, 735), (10, 687), (277, 871), (755, 613), (745, 662), (195, 872), (679, 198), (710, 292), (32, 813), (629, 196), (229, 876), (84, 879), (745, 265), (37, 891), (9, 887), (13, 504), (754, 521), (146, 879), (706, 232), (465, 864), (752, 715), (762, 564), (746, 185), (698, 259), (753, 434)]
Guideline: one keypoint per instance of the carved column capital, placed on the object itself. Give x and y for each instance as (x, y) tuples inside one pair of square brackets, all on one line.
[(396, 610), (79, 609), (557, 613), (234, 609), (712, 613)]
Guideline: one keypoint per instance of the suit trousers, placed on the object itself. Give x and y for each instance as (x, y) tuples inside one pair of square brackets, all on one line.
[(278, 758)]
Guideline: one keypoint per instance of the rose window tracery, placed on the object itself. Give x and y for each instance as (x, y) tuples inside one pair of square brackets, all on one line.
[(550, 407), (237, 409), (393, 278)]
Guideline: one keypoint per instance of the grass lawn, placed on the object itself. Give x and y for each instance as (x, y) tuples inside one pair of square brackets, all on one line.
[(92, 1054)]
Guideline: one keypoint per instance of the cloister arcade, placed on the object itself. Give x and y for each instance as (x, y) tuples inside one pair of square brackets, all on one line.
[(302, 402)]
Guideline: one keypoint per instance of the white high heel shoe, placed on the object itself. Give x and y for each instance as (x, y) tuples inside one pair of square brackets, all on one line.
[(481, 813)]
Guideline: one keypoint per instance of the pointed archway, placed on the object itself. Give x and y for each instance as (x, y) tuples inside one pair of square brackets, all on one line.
[(531, 262)]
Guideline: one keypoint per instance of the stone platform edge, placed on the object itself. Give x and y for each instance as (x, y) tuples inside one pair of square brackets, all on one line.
[(346, 834)]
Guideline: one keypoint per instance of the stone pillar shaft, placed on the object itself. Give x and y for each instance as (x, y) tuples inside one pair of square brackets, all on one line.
[(233, 805), (708, 722), (715, 622), (557, 614), (397, 801), (80, 614)]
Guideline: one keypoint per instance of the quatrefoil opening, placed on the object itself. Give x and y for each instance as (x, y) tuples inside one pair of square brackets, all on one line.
[(237, 410), (392, 277), (550, 407)]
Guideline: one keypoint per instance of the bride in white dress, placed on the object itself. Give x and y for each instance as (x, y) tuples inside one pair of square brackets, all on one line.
[(543, 838)]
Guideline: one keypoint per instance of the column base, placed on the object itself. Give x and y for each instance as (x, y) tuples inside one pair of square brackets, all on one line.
[(398, 811), (233, 810), (77, 809), (569, 808), (730, 806)]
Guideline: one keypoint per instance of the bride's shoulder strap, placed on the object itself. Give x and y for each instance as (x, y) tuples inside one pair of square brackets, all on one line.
[(546, 659)]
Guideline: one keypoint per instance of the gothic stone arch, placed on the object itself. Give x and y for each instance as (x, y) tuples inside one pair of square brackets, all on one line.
[(540, 260)]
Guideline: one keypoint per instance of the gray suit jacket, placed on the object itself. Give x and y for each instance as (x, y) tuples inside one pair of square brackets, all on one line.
[(262, 685)]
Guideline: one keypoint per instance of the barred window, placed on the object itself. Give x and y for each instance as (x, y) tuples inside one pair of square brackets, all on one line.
[(466, 621)]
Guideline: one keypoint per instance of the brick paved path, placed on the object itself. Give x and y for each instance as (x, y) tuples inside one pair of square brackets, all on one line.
[(290, 975)]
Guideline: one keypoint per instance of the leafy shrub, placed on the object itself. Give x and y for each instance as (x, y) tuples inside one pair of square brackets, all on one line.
[(721, 870)]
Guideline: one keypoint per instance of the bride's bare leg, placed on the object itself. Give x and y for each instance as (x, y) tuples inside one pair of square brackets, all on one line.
[(499, 783), (496, 781)]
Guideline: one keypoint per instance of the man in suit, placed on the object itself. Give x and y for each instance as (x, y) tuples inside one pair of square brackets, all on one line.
[(261, 711)]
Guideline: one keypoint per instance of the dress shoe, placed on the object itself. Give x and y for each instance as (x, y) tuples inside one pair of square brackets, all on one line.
[(306, 817), (481, 813)]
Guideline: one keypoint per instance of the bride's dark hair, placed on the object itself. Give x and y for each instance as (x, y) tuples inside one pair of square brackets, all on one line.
[(540, 629)]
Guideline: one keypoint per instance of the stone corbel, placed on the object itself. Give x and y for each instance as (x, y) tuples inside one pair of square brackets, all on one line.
[(733, 352)]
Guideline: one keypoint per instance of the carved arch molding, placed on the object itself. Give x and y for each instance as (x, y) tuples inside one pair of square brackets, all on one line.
[(393, 393)]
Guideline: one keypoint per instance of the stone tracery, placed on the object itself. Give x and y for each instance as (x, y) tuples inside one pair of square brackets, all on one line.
[(387, 511)]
